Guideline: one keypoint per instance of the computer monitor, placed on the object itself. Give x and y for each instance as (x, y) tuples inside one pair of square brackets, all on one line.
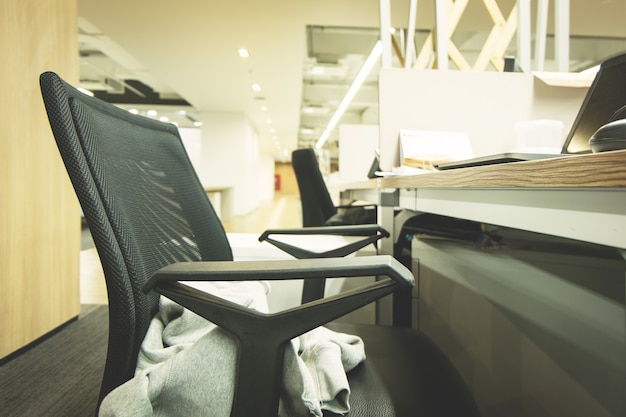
[(606, 96)]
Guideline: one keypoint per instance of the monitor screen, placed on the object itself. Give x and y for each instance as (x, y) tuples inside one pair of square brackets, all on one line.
[(606, 95)]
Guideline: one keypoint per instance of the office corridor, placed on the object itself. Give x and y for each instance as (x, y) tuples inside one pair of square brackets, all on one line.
[(282, 212)]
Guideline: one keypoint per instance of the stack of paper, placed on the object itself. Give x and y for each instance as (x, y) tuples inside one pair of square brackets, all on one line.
[(423, 149)]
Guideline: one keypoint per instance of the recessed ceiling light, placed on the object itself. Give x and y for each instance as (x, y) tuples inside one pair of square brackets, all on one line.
[(197, 124), (243, 52), (263, 108), (133, 111), (256, 87), (315, 110), (151, 113)]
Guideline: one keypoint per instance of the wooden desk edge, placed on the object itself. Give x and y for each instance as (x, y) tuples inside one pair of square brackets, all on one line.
[(599, 170)]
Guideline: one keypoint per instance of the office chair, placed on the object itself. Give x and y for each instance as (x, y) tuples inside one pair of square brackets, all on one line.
[(154, 226), (318, 208)]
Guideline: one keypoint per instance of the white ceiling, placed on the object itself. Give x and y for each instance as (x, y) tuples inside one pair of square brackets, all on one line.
[(187, 50)]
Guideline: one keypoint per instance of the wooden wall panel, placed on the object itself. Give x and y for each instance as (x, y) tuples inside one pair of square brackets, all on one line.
[(39, 214)]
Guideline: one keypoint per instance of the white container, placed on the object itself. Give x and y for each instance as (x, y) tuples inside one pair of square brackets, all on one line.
[(540, 136)]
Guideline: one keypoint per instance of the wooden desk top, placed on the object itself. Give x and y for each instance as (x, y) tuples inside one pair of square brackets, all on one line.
[(600, 170)]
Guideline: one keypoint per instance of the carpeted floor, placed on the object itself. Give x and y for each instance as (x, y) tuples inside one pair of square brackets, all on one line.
[(60, 376)]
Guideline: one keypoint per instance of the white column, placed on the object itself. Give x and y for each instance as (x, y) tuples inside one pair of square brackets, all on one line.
[(409, 55), (523, 34), (385, 36), (561, 35), (441, 14), (540, 34)]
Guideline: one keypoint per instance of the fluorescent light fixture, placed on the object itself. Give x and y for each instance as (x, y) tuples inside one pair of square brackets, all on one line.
[(243, 52), (354, 88)]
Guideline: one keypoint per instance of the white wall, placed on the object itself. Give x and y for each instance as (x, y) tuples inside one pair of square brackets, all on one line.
[(231, 157), (265, 178)]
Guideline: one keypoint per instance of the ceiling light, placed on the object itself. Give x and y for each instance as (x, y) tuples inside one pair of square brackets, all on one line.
[(263, 108), (256, 87), (197, 124), (269, 121), (133, 111), (151, 113), (243, 52), (329, 70), (315, 110), (164, 119), (354, 88)]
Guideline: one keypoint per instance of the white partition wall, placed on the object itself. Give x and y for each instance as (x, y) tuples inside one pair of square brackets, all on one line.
[(357, 148), (486, 105)]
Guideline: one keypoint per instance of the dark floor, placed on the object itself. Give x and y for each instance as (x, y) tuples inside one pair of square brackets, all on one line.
[(61, 375)]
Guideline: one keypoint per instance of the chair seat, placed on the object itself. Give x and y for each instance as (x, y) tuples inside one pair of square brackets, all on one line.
[(423, 383)]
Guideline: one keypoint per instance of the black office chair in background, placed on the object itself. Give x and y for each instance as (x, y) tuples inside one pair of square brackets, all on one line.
[(154, 226), (321, 216), (318, 208)]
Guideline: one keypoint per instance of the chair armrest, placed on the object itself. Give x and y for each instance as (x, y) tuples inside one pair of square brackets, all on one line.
[(263, 337), (371, 233), (380, 265)]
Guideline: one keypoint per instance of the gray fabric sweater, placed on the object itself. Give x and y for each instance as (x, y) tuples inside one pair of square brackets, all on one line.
[(186, 366)]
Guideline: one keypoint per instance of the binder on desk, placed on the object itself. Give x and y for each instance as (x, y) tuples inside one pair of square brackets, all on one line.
[(423, 149)]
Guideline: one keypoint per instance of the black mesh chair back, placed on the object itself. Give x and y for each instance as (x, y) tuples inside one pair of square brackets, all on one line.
[(146, 209), (317, 206), (160, 214)]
